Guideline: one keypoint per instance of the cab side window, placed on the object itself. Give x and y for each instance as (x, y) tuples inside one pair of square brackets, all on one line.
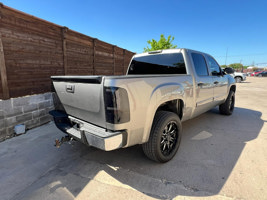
[(200, 64), (214, 67)]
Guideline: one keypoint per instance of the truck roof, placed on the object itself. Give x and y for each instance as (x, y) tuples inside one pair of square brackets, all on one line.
[(159, 51), (179, 50)]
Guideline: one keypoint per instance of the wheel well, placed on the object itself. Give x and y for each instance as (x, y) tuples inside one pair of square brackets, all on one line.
[(233, 88), (175, 106)]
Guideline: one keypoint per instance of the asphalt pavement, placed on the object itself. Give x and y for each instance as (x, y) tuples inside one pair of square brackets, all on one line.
[(220, 157)]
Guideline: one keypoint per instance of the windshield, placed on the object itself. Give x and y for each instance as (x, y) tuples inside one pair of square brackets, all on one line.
[(172, 63)]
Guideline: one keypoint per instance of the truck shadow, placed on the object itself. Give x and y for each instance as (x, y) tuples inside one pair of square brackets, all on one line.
[(210, 148)]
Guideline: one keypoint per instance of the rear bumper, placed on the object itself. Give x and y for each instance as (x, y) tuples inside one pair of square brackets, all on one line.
[(88, 133)]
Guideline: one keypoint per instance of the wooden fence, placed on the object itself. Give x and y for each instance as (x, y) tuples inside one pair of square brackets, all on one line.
[(32, 50)]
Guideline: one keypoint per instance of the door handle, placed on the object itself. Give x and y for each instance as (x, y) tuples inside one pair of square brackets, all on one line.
[(216, 82)]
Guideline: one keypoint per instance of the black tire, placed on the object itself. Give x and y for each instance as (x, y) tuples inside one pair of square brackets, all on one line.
[(238, 79), (165, 137), (228, 106)]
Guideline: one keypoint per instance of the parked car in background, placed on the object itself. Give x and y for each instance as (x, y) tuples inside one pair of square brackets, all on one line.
[(238, 76), (249, 73), (255, 73), (262, 74)]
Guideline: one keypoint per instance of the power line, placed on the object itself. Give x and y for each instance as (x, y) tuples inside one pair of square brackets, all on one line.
[(226, 56)]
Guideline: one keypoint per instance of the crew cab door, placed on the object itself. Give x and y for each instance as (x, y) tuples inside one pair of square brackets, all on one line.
[(204, 84), (219, 80)]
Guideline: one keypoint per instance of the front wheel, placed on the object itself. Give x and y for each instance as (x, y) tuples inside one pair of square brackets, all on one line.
[(165, 137), (238, 79), (228, 106)]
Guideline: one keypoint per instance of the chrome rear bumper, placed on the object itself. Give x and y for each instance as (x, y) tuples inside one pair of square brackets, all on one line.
[(88, 133), (96, 136)]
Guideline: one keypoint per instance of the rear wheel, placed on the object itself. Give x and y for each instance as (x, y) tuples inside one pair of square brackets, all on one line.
[(165, 137), (228, 106)]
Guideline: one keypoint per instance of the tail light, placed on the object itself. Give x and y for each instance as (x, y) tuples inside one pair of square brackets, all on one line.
[(116, 105)]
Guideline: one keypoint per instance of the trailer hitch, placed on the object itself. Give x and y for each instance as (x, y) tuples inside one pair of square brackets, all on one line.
[(67, 138)]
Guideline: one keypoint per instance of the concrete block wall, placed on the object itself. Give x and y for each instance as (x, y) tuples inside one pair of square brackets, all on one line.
[(32, 111)]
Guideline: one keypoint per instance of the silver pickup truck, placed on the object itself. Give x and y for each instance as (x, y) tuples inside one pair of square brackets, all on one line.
[(147, 105)]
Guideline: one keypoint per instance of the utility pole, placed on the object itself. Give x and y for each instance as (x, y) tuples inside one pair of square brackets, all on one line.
[(242, 66)]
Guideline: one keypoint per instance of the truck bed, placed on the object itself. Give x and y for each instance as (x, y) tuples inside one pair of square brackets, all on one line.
[(83, 96)]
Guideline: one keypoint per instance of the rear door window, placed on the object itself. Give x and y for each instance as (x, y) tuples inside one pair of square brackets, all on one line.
[(200, 64)]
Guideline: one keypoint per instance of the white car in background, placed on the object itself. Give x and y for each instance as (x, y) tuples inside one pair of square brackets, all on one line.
[(238, 76)]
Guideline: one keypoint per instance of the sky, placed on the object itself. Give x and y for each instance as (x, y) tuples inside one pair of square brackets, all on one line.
[(236, 28)]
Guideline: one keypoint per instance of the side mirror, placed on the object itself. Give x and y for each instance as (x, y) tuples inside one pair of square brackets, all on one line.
[(223, 72)]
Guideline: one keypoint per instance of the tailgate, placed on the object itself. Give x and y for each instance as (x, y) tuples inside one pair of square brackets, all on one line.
[(82, 97)]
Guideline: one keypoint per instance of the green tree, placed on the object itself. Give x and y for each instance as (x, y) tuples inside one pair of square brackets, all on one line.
[(224, 66), (163, 43), (236, 66)]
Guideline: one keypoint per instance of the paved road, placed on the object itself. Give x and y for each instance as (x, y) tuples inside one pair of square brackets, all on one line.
[(220, 157)]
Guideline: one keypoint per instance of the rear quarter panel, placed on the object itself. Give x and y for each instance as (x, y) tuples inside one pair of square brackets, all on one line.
[(145, 95)]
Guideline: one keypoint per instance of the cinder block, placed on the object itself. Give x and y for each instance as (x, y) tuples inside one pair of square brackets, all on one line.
[(42, 112), (35, 114), (11, 121), (36, 98), (13, 112), (10, 132), (2, 134), (21, 101), (48, 96), (44, 104), (32, 123), (38, 113), (45, 119), (30, 108), (1, 114), (2, 123), (24, 117), (7, 105), (51, 103)]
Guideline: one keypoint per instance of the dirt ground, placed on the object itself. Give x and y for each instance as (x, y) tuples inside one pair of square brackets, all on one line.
[(220, 157)]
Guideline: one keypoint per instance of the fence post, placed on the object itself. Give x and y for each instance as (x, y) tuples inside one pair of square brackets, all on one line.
[(1, 6), (123, 62), (3, 72), (94, 46), (113, 49), (64, 30)]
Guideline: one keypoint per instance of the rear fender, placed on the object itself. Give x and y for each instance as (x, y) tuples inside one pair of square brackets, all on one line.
[(161, 94)]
